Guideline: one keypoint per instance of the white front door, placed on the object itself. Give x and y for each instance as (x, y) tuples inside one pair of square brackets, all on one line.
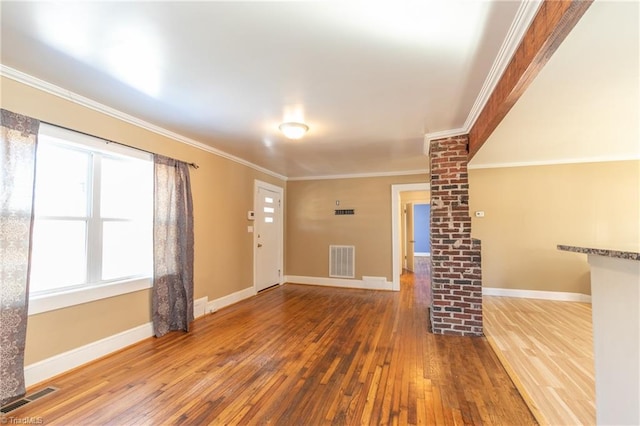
[(268, 236)]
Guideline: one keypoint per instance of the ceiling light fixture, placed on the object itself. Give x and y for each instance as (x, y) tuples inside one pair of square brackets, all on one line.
[(293, 130)]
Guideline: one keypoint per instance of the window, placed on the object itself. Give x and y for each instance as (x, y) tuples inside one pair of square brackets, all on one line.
[(269, 211), (93, 228)]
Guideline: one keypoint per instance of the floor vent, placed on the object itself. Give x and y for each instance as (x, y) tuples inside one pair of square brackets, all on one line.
[(27, 399), (342, 261)]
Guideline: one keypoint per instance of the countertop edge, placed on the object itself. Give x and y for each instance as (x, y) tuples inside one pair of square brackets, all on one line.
[(631, 255)]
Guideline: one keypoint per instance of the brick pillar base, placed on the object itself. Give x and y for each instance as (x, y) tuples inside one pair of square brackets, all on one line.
[(456, 276)]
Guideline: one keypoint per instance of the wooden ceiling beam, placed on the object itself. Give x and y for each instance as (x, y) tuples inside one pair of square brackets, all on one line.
[(552, 23)]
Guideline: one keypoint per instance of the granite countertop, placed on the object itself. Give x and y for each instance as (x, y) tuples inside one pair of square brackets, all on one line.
[(621, 254)]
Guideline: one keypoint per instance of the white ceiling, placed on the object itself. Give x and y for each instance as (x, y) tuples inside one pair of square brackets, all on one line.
[(369, 78)]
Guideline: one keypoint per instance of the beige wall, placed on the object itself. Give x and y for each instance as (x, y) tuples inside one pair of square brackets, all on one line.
[(529, 210), (222, 195), (312, 225), (416, 197)]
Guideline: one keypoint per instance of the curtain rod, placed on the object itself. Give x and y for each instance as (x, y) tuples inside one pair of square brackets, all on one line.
[(194, 165)]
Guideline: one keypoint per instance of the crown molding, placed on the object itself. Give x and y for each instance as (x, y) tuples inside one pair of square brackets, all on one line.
[(441, 135), (524, 16), (362, 175), (564, 161), (52, 89)]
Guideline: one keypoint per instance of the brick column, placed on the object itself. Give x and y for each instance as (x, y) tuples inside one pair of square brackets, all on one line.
[(456, 276)]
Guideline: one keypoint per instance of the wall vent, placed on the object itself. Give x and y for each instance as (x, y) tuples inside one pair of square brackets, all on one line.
[(343, 212), (27, 399), (342, 260)]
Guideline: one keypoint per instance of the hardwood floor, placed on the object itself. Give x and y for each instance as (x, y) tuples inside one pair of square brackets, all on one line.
[(295, 355), (547, 346)]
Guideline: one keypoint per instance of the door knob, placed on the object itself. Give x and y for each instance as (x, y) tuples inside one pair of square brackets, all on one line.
[(259, 245)]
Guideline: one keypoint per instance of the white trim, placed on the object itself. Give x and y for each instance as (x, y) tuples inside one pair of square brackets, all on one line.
[(421, 254), (370, 283), (363, 175), (265, 185), (524, 16), (50, 302), (200, 307), (230, 299), (58, 364), (395, 226), (599, 159), (441, 135), (66, 137), (36, 83), (536, 294)]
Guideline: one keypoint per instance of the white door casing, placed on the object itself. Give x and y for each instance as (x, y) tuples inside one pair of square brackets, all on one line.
[(268, 236), (409, 237), (396, 226)]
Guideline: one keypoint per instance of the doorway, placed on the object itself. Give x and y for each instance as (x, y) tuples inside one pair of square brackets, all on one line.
[(401, 194), (267, 236), (422, 229)]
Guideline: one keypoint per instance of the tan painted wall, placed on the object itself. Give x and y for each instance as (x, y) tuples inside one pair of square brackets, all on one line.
[(222, 195), (312, 225), (529, 210), (416, 197)]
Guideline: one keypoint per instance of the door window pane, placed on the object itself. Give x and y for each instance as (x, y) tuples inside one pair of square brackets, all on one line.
[(59, 254)]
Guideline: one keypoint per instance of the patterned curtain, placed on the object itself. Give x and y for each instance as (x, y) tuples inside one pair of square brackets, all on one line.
[(172, 298), (18, 140)]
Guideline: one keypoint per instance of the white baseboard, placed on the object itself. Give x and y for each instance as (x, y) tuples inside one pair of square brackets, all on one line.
[(367, 283), (47, 368), (537, 294), (58, 364), (200, 307), (230, 299)]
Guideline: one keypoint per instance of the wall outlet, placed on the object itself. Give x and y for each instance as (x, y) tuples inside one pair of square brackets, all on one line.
[(480, 213)]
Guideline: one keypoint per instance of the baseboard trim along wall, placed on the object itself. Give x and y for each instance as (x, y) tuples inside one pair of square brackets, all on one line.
[(199, 307), (537, 294), (367, 283), (230, 299), (58, 364)]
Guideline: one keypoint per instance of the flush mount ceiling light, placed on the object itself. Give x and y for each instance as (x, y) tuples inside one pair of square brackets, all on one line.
[(293, 130)]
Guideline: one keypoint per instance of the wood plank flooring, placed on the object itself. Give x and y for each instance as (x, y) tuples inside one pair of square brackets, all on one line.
[(295, 355), (547, 346)]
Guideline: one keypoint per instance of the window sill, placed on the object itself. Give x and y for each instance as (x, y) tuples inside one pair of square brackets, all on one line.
[(50, 302)]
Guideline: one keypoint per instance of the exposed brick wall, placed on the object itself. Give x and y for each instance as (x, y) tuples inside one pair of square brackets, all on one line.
[(456, 276)]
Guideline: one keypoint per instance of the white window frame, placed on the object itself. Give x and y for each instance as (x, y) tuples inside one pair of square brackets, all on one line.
[(39, 303)]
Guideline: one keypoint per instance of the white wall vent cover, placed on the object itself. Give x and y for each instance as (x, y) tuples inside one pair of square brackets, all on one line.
[(342, 261)]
